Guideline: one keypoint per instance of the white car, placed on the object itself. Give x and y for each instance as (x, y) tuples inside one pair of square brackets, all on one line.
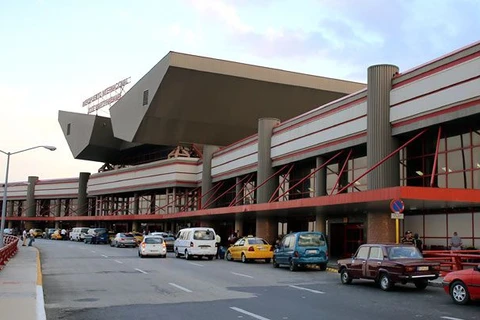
[(152, 246)]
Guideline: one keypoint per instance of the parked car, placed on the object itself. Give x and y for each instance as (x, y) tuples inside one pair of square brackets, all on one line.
[(168, 237), (78, 233), (137, 235), (152, 246), (8, 231), (96, 236), (463, 285), (300, 249), (250, 248), (48, 233), (388, 264), (56, 235), (37, 233), (123, 240), (198, 242)]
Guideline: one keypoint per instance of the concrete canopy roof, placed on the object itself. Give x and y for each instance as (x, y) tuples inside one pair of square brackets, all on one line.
[(194, 99)]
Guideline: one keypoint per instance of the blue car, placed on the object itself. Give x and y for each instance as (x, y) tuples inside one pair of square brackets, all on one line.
[(300, 249)]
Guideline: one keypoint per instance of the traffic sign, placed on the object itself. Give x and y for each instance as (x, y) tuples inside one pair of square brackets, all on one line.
[(398, 215), (397, 205)]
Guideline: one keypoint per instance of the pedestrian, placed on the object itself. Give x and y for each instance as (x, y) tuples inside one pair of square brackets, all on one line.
[(24, 237), (456, 242), (407, 239), (218, 241), (32, 238), (417, 242)]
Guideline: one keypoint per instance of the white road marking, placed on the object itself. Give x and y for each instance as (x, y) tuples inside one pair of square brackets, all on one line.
[(242, 275), (118, 261), (139, 270), (196, 264), (94, 251), (451, 318), (253, 315), (180, 287), (306, 289), (104, 256)]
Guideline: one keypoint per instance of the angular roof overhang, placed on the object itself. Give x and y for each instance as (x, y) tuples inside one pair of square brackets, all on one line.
[(415, 199), (203, 100)]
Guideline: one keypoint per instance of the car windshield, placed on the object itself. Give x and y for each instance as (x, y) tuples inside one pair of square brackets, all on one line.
[(128, 235), (395, 253), (203, 235), (153, 240), (257, 241), (311, 240)]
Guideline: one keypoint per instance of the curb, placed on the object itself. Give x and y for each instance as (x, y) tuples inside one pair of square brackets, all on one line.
[(40, 304)]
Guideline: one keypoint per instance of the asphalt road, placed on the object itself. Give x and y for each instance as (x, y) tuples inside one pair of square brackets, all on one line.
[(99, 282)]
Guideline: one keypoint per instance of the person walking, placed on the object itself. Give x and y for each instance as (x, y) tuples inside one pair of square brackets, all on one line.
[(32, 237), (24, 237), (417, 242), (218, 241), (456, 242)]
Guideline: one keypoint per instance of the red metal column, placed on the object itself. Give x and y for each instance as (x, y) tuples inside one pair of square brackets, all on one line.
[(229, 189), (234, 201), (384, 159), (215, 189), (280, 184)]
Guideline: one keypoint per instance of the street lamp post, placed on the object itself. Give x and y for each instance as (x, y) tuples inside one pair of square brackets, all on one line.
[(5, 186)]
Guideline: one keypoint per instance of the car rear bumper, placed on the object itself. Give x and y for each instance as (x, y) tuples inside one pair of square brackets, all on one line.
[(310, 260), (259, 255), (202, 252), (418, 277)]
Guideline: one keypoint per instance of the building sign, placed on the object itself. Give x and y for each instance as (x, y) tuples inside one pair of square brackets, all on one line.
[(106, 97)]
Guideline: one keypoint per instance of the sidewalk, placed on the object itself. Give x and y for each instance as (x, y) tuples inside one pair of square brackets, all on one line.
[(20, 282)]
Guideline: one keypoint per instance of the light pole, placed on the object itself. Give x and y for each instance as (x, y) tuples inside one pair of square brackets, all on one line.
[(5, 186)]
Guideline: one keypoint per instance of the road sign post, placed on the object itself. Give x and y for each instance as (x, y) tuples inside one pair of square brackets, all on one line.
[(397, 207)]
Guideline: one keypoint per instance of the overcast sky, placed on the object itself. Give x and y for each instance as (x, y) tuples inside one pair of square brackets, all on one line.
[(56, 53)]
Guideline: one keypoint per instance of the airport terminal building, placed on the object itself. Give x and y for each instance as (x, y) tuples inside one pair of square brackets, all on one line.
[(199, 141)]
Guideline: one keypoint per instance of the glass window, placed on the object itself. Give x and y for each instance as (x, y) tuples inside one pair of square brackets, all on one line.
[(442, 181), (360, 162), (286, 241), (404, 252), (311, 240), (476, 157), (475, 137), (362, 253), (453, 143), (456, 180), (376, 253), (153, 240), (257, 241), (476, 179), (203, 235), (454, 161)]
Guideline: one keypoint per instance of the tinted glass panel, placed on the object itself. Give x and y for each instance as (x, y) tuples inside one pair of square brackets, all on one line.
[(257, 241), (203, 235), (153, 240), (311, 240), (362, 253), (376, 253)]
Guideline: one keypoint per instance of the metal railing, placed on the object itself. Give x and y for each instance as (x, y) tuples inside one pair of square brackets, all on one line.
[(453, 260), (9, 249)]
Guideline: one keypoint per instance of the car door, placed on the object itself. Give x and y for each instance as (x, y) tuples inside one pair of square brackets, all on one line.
[(359, 262), (280, 251), (374, 262), (474, 286), (236, 249)]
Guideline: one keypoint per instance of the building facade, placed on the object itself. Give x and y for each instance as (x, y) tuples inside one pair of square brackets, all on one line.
[(200, 141)]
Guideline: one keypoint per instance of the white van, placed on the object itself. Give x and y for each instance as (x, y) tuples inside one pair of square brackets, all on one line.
[(78, 234), (199, 242)]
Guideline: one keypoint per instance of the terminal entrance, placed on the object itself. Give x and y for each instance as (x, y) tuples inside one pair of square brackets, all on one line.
[(345, 238)]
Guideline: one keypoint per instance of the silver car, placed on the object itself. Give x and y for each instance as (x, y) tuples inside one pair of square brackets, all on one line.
[(123, 240)]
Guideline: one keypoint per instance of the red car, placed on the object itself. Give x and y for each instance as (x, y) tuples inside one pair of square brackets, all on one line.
[(463, 285)]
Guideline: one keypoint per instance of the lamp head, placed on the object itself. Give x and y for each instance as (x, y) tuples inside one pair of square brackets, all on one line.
[(51, 148)]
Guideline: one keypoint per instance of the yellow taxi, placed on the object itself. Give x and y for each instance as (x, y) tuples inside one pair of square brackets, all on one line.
[(37, 233), (138, 236), (56, 235), (250, 248)]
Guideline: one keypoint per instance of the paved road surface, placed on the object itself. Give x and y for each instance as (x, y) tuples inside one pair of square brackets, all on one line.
[(99, 282)]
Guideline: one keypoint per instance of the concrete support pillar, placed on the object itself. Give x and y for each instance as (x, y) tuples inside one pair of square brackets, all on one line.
[(320, 178), (111, 205), (30, 203), (10, 208), (380, 228), (320, 222), (136, 226), (380, 142), (266, 228), (58, 208), (57, 225), (239, 225), (136, 204), (10, 224), (82, 194), (265, 170), (207, 173), (239, 189)]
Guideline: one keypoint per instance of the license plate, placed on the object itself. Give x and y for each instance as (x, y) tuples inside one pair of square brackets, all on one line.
[(311, 251), (261, 248), (154, 250), (422, 268)]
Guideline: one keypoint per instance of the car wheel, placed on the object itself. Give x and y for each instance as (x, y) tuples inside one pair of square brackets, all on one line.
[(292, 266), (459, 293), (345, 277), (244, 259), (421, 284), (164, 256), (228, 256), (267, 260), (111, 244), (385, 283), (187, 256), (275, 264), (322, 266), (177, 255)]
